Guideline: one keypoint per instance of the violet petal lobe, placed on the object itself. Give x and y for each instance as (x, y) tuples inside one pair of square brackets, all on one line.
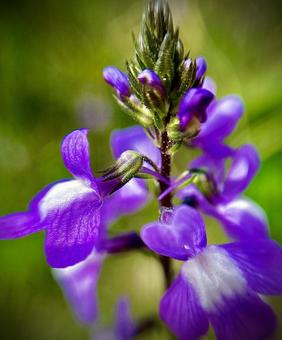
[(79, 283), (134, 138), (27, 222), (180, 309), (70, 212), (118, 80), (184, 237), (125, 325), (244, 166), (244, 317), (194, 103), (243, 219), (222, 118), (19, 225), (260, 262), (76, 154)]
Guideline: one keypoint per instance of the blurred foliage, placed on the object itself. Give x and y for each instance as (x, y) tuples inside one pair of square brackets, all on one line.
[(51, 57)]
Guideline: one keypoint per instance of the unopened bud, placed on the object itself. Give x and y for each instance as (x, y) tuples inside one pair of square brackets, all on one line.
[(194, 103), (118, 80), (201, 67)]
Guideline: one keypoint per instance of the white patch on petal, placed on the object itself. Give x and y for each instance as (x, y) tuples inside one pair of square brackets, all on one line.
[(241, 170), (214, 275), (242, 205), (62, 195)]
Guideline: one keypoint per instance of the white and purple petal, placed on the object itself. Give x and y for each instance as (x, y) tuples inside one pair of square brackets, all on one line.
[(243, 219), (181, 310), (79, 284), (182, 238), (260, 262), (225, 294), (70, 213), (214, 275)]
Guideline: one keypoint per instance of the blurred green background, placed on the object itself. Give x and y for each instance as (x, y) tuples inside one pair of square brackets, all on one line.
[(51, 58)]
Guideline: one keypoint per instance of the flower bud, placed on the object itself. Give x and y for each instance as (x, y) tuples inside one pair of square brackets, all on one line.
[(201, 67), (126, 167), (118, 80), (152, 80), (194, 103)]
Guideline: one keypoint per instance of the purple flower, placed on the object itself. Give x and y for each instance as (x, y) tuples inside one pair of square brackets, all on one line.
[(240, 217), (217, 284), (151, 79), (79, 281), (70, 210), (118, 80), (222, 118), (194, 103)]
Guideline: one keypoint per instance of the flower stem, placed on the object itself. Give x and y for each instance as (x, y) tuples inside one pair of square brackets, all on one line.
[(166, 201)]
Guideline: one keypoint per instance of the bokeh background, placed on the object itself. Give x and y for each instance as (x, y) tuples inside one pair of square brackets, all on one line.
[(51, 57)]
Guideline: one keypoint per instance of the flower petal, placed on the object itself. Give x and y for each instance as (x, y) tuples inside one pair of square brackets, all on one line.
[(243, 317), (184, 237), (19, 224), (181, 311), (127, 200), (223, 292), (244, 166), (24, 223), (260, 262), (134, 138), (125, 326), (118, 80), (243, 219), (70, 212), (223, 116), (79, 284), (194, 103), (215, 276), (76, 154), (210, 85), (213, 166)]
